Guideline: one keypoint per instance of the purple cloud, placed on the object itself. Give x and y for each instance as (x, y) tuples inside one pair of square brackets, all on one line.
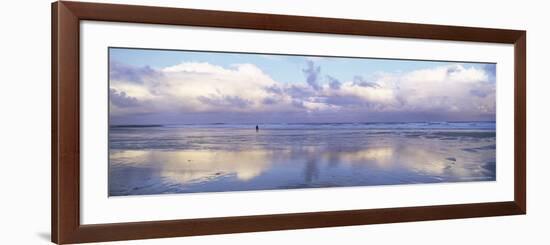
[(269, 101), (119, 71), (274, 90), (333, 83), (360, 81), (120, 99), (234, 101), (299, 92), (345, 101), (175, 94), (312, 73), (479, 93), (490, 69)]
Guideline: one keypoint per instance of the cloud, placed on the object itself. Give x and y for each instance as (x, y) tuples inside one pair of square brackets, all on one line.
[(225, 101), (312, 73), (274, 89), (269, 101), (121, 72), (490, 69), (333, 83), (200, 87), (447, 89), (241, 92), (299, 91), (480, 92), (360, 81), (120, 99)]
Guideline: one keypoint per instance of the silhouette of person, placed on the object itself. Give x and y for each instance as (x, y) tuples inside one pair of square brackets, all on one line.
[(257, 128)]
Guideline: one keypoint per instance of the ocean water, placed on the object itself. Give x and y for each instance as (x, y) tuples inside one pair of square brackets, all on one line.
[(158, 159)]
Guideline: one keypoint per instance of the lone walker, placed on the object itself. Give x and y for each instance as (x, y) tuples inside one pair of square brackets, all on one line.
[(257, 128)]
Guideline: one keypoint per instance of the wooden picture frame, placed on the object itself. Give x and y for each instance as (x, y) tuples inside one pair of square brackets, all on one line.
[(65, 172)]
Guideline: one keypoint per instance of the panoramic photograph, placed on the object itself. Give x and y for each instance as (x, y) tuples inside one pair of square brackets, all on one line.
[(203, 121)]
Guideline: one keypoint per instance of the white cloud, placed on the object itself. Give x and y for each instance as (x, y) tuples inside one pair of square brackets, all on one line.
[(453, 88), (203, 87)]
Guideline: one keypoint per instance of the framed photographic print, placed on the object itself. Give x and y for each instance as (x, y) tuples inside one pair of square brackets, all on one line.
[(177, 122)]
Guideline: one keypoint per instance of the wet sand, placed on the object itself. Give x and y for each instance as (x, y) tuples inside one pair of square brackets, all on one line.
[(157, 160)]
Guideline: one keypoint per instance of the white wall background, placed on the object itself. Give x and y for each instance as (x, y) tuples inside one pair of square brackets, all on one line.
[(25, 123)]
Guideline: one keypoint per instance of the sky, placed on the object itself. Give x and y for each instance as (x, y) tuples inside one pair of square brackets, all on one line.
[(192, 87)]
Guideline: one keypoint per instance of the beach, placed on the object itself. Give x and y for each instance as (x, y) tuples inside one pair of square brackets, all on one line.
[(160, 159)]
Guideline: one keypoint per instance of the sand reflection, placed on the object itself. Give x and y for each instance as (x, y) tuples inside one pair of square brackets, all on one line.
[(192, 166), (393, 162)]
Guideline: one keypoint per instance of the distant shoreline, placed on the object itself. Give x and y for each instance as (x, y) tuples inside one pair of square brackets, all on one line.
[(300, 123), (137, 126)]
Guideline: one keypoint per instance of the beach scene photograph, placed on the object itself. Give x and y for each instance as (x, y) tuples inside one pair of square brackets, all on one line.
[(203, 121)]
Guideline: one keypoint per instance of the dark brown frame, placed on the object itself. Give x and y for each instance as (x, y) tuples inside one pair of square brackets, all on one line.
[(65, 175)]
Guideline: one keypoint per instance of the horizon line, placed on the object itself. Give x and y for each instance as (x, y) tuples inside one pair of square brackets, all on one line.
[(246, 123)]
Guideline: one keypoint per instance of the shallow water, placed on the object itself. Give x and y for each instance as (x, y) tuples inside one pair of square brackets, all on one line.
[(220, 157)]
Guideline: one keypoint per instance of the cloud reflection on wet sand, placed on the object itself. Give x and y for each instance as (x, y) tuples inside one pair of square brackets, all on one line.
[(390, 160)]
